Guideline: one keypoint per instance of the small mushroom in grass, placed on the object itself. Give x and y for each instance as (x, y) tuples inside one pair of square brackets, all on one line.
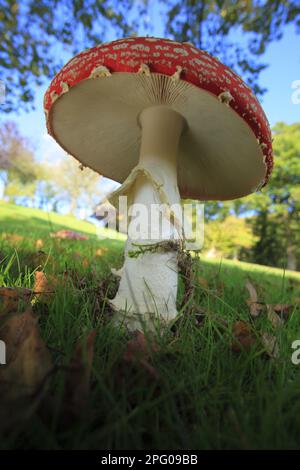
[(188, 128)]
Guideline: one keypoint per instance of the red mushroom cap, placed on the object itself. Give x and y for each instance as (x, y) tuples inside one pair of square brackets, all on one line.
[(183, 62)]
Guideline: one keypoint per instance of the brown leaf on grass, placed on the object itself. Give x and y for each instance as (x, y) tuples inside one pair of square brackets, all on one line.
[(244, 339), (69, 235), (254, 304), (27, 358), (44, 286), (15, 292), (284, 310), (273, 310), (139, 352), (85, 263), (275, 319), (11, 296), (270, 345), (39, 244), (78, 378)]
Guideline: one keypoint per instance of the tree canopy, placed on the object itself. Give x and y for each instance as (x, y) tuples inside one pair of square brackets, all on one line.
[(278, 206), (18, 167), (39, 35)]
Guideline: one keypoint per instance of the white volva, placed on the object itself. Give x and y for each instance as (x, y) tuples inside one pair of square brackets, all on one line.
[(148, 285)]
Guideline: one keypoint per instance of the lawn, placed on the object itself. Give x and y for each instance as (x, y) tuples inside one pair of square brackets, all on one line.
[(195, 386)]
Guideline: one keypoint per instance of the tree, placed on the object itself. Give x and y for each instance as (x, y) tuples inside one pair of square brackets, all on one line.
[(275, 211), (39, 35), (36, 33), (278, 206), (65, 182), (229, 237), (18, 168), (238, 32)]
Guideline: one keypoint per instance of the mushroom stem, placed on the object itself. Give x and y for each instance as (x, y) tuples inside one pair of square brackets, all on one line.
[(149, 277)]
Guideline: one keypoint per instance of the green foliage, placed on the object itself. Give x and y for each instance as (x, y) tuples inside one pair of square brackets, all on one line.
[(69, 182), (278, 206), (275, 211), (37, 34), (210, 24), (61, 182), (228, 238), (18, 169)]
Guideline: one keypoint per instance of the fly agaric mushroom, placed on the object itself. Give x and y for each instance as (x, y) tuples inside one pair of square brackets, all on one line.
[(168, 121)]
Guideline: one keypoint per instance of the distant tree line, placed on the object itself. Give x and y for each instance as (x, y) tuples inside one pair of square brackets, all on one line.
[(28, 181), (272, 215), (263, 228)]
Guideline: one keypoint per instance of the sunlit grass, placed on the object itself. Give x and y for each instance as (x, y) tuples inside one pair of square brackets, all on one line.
[(207, 397), (12, 216)]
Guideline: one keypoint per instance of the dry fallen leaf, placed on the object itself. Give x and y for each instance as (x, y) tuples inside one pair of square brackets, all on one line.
[(39, 244), (254, 304), (275, 312), (273, 317), (15, 292), (243, 336), (27, 358), (270, 344), (79, 375), (139, 351), (11, 296), (44, 286), (283, 310), (69, 235)]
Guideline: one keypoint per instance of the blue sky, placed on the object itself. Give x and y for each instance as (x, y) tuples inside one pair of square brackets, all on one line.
[(283, 58)]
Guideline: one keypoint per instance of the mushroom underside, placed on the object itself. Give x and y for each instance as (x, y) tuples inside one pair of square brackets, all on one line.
[(96, 121)]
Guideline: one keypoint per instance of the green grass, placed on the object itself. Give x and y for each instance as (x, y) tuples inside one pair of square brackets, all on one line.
[(207, 396)]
